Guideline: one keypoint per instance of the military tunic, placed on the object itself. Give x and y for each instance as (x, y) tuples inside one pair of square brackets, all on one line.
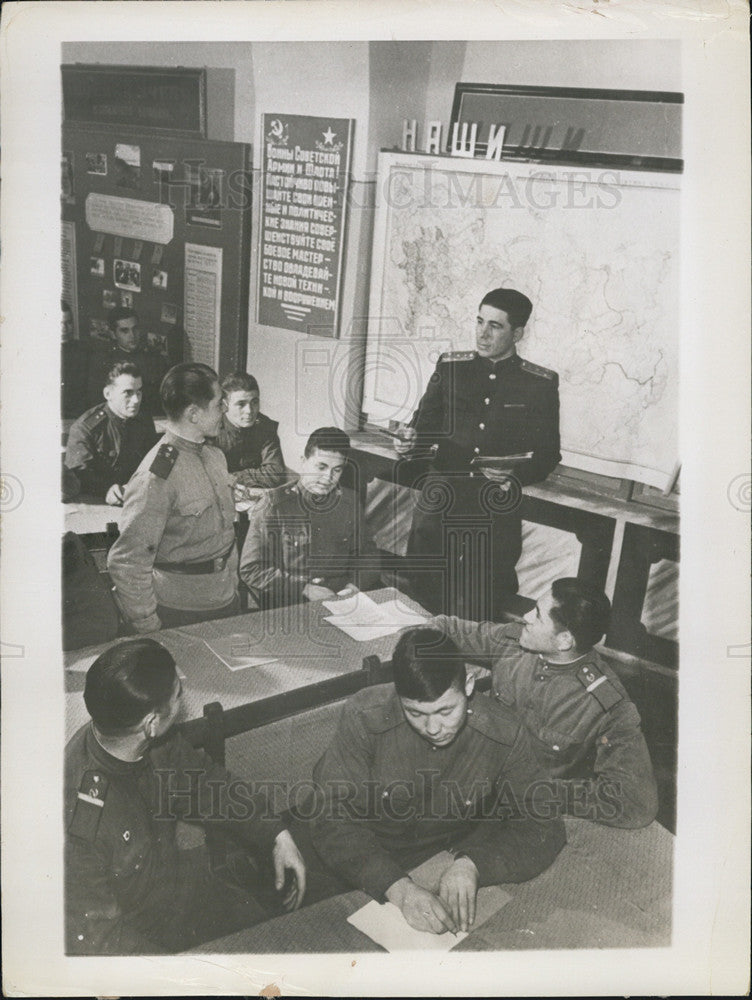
[(584, 730), (254, 454), (391, 800), (104, 449), (178, 511), (295, 538), (474, 407), (129, 889)]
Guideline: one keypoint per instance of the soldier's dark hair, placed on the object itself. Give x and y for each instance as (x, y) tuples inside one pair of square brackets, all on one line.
[(328, 439), (126, 682), (581, 609), (185, 384), (121, 312), (122, 368), (516, 305), (425, 664), (239, 382)]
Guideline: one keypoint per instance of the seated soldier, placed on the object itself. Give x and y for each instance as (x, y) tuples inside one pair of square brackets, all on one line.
[(248, 438), (423, 766), (127, 345), (129, 776), (584, 729), (308, 540), (106, 444)]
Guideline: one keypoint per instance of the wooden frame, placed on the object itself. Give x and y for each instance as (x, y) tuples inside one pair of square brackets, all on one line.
[(633, 129), (120, 97)]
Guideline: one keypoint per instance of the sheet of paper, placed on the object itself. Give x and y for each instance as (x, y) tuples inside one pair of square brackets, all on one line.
[(384, 923), (239, 651), (362, 619)]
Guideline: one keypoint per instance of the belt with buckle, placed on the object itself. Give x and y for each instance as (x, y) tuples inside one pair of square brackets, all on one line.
[(197, 568)]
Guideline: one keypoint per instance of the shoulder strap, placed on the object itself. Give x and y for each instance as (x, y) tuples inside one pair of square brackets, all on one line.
[(87, 811), (599, 686), (164, 461)]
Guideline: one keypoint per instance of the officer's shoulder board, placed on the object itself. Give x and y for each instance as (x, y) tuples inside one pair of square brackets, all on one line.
[(456, 356), (379, 709), (599, 686), (95, 416), (528, 366), (164, 460), (89, 806)]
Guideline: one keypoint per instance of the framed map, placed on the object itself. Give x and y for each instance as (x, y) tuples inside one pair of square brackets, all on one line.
[(597, 253)]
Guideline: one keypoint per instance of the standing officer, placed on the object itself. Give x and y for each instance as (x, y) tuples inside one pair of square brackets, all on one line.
[(175, 561), (106, 444), (127, 346), (488, 403)]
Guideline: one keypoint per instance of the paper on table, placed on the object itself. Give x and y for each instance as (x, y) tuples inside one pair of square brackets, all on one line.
[(235, 651), (362, 619), (384, 923)]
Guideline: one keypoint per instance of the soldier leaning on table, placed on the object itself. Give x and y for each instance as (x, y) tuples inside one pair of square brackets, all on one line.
[(175, 561), (583, 728), (129, 777), (423, 766)]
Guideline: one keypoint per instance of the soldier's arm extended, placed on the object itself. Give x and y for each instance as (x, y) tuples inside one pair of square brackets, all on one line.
[(262, 566), (83, 457), (622, 791), (486, 639), (271, 472), (514, 843), (344, 842), (130, 561), (94, 922)]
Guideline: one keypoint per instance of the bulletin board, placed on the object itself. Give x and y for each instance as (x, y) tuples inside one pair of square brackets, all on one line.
[(161, 224)]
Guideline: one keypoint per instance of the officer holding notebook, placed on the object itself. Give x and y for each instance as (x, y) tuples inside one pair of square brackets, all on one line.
[(491, 422)]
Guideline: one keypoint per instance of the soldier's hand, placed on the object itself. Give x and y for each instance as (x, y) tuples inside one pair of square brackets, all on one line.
[(421, 909), (501, 476), (286, 855), (458, 888), (405, 443), (115, 495), (317, 592)]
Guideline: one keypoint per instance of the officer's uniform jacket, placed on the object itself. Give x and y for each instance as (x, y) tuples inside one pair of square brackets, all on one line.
[(254, 454), (178, 511), (391, 800), (104, 449), (153, 368), (473, 406), (584, 730), (295, 538), (126, 879)]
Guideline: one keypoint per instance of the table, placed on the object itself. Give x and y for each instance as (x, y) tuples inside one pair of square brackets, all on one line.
[(91, 518), (308, 651), (608, 888)]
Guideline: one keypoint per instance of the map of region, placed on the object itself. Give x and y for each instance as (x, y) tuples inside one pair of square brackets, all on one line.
[(597, 256)]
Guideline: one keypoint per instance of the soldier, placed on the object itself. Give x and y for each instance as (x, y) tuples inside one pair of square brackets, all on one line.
[(585, 731), (175, 561), (308, 540), (126, 346), (423, 766), (106, 444), (488, 403), (248, 438), (129, 776)]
